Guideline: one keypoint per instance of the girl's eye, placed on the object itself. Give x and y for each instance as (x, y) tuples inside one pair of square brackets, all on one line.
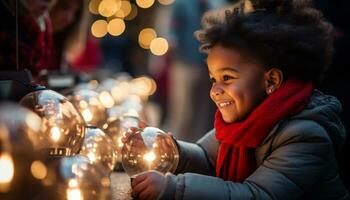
[(226, 77)]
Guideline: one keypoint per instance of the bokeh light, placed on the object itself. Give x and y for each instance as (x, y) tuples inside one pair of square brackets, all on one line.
[(166, 2), (99, 28), (108, 8), (93, 6), (159, 46), (125, 9), (116, 27), (146, 36), (144, 3), (133, 12)]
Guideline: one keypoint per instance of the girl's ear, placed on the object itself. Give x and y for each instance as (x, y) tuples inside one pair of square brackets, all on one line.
[(273, 80)]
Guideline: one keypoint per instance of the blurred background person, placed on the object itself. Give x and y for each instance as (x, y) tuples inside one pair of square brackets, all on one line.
[(74, 48), (32, 41)]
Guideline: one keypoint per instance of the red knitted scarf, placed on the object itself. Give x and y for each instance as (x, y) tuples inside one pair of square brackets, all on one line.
[(236, 156)]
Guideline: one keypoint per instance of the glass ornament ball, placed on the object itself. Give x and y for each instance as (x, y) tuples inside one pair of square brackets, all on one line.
[(116, 129), (62, 124), (21, 161), (88, 103), (75, 178), (149, 149), (99, 148)]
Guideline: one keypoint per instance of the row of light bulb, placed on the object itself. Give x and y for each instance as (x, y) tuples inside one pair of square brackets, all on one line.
[(60, 130)]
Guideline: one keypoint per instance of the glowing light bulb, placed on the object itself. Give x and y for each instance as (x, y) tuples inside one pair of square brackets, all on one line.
[(150, 156), (6, 168), (21, 150), (74, 194), (87, 115), (92, 156), (90, 106), (106, 99), (55, 133), (149, 149), (63, 126), (99, 149)]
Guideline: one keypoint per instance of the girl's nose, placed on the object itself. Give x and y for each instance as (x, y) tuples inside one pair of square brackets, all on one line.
[(217, 91)]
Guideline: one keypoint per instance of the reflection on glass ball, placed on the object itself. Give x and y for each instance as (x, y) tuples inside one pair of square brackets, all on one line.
[(74, 178), (21, 163), (149, 149), (99, 148), (90, 106), (116, 129), (62, 124)]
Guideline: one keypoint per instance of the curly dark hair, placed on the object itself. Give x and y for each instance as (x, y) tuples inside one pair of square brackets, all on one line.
[(285, 34)]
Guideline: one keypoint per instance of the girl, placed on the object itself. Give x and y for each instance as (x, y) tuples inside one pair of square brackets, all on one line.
[(275, 136)]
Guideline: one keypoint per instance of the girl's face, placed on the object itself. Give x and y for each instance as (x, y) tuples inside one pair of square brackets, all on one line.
[(238, 84)]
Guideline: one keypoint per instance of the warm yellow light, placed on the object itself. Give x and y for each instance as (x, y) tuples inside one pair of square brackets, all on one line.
[(38, 169), (33, 121), (7, 169), (87, 115), (73, 183), (120, 142), (125, 9), (92, 157), (106, 99), (146, 36), (74, 194), (144, 3), (93, 6), (149, 157), (83, 104), (133, 12), (120, 91), (108, 8), (55, 133), (144, 86), (99, 28), (159, 46), (166, 2), (116, 27)]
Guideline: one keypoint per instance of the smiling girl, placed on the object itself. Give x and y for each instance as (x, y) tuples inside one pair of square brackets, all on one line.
[(275, 135)]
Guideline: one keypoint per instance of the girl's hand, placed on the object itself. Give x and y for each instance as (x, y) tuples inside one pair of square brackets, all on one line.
[(148, 185)]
